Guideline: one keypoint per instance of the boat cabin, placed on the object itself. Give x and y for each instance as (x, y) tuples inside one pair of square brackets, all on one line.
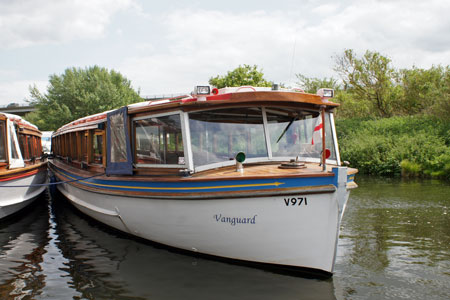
[(20, 143), (203, 131)]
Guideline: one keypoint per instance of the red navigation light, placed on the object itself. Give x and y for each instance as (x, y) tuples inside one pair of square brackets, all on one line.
[(215, 91)]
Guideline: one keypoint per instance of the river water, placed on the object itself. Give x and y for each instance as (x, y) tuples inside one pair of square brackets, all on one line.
[(394, 244)]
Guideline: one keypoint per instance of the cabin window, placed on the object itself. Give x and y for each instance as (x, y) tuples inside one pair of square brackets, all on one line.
[(2, 141), (14, 150), (38, 146), (98, 147), (66, 145), (23, 146), (298, 133), (56, 145), (118, 138), (73, 146), (30, 147), (159, 140), (84, 146), (218, 135)]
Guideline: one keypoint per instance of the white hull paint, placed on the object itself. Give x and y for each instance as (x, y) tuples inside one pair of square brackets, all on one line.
[(14, 198), (264, 229)]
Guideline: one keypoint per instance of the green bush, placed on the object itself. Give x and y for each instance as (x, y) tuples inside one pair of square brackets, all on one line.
[(412, 146), (410, 169)]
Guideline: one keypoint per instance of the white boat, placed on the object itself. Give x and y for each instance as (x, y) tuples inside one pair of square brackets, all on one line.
[(23, 168), (46, 141), (247, 174)]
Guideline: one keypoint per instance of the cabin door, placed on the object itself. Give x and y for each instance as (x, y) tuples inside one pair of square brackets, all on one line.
[(119, 158)]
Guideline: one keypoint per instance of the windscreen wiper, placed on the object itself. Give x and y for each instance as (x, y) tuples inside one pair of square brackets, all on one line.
[(287, 127)]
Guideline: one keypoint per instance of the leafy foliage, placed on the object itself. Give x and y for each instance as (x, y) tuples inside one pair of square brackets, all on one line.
[(78, 93), (311, 85), (370, 78), (414, 145), (242, 75), (426, 91)]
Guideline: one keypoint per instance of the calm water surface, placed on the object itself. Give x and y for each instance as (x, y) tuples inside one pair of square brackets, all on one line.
[(394, 244)]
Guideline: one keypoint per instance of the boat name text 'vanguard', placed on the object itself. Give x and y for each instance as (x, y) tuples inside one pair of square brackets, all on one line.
[(235, 220)]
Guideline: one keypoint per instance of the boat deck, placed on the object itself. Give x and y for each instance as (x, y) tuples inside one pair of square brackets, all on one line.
[(269, 170), (251, 171)]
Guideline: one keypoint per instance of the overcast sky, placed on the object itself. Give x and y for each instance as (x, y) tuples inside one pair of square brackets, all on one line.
[(170, 46)]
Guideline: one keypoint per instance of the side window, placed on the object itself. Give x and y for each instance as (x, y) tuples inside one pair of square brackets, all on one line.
[(97, 144), (2, 141), (14, 150), (84, 145), (23, 146), (159, 140), (73, 146), (30, 146)]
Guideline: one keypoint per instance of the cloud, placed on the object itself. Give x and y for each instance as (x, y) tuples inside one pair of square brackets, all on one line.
[(25, 23), (18, 90), (207, 43), (204, 43), (170, 51)]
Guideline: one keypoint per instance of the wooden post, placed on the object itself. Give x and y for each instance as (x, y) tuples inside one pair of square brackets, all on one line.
[(324, 148)]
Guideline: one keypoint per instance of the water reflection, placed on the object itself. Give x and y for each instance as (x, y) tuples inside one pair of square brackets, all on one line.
[(395, 241), (394, 244), (22, 241), (106, 265)]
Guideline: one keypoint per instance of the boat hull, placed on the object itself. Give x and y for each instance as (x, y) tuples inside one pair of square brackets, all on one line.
[(290, 231), (20, 190)]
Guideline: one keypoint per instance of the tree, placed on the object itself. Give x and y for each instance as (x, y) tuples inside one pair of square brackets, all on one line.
[(370, 78), (242, 75), (78, 93), (311, 85), (426, 91)]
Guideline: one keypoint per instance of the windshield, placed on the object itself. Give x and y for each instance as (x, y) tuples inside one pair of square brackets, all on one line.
[(298, 133), (219, 135)]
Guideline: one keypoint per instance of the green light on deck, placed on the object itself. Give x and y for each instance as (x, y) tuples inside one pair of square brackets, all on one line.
[(240, 157)]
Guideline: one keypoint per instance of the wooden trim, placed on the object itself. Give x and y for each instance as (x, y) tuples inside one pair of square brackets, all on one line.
[(238, 98), (6, 173), (351, 171), (30, 132)]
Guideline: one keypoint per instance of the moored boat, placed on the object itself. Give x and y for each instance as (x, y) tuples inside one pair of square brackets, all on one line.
[(249, 174), (23, 168)]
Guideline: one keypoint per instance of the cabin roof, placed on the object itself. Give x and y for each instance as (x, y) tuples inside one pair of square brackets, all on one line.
[(21, 122), (234, 95)]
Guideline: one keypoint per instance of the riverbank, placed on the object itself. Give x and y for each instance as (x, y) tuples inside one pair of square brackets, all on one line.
[(410, 146)]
